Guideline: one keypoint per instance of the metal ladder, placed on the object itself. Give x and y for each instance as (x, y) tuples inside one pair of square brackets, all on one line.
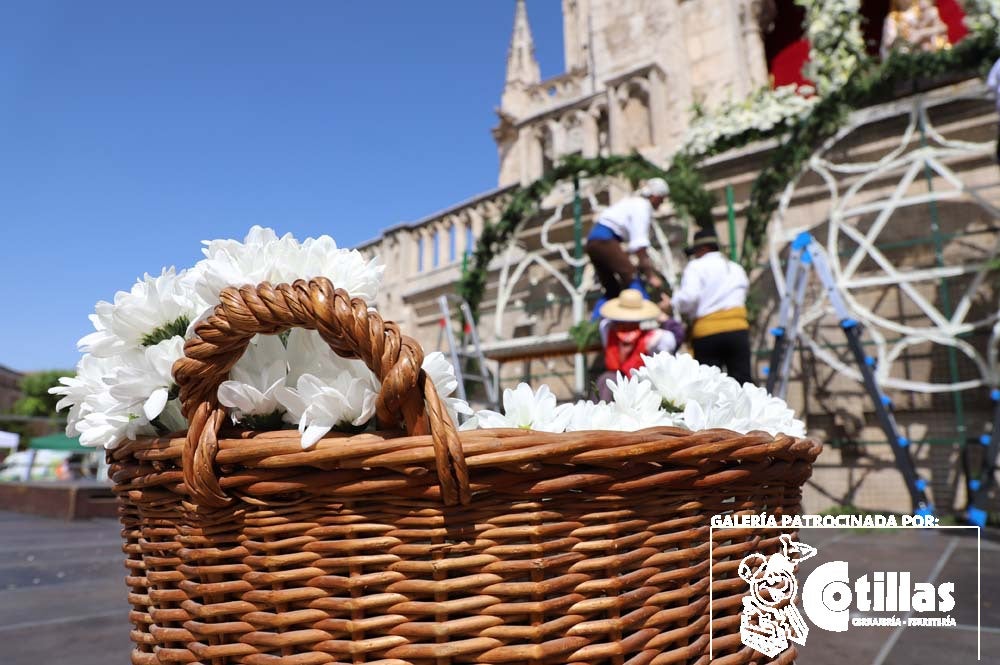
[(806, 253), (979, 487), (460, 352)]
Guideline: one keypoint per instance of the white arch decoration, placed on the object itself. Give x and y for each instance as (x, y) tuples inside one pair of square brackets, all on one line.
[(517, 261), (844, 209)]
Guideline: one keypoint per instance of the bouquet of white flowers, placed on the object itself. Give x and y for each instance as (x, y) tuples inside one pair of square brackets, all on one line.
[(124, 387), (667, 390)]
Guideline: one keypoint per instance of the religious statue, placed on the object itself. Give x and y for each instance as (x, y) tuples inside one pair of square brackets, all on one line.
[(914, 25)]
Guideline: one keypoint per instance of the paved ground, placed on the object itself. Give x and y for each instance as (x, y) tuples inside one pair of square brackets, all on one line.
[(935, 556), (62, 593), (62, 597)]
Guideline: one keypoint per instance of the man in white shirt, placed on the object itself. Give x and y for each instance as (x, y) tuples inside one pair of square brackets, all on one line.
[(628, 222), (712, 295)]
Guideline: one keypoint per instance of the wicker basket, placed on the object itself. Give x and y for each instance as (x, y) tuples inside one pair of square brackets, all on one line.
[(415, 546)]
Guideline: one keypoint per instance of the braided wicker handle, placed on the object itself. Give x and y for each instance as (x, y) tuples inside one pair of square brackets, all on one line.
[(352, 331)]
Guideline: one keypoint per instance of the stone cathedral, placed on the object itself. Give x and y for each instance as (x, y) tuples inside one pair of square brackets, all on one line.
[(636, 72)]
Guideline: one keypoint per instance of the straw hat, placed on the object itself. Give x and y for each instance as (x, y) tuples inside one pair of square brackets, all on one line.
[(629, 306)]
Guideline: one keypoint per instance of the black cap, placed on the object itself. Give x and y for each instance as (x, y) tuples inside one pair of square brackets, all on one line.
[(702, 238)]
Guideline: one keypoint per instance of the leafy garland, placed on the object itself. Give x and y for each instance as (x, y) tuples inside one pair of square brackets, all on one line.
[(687, 193), (872, 83), (847, 78)]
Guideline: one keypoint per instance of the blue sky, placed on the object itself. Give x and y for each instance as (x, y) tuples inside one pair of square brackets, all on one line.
[(131, 131)]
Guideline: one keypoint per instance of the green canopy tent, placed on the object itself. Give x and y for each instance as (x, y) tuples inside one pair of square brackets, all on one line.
[(58, 442)]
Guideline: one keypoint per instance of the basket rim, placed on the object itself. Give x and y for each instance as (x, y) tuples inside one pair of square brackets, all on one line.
[(267, 463)]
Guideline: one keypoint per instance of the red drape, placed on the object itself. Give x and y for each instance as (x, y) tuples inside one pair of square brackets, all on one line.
[(786, 67), (953, 16)]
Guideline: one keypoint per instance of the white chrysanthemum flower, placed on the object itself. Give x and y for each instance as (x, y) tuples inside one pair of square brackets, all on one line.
[(636, 405), (679, 379), (442, 374), (527, 409), (722, 416), (92, 374), (144, 379), (319, 405), (154, 303), (324, 390), (261, 257), (743, 410), (586, 415), (346, 268), (253, 382), (307, 353), (106, 427), (768, 413)]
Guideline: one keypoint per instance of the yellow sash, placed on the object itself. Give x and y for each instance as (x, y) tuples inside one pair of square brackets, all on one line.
[(725, 320)]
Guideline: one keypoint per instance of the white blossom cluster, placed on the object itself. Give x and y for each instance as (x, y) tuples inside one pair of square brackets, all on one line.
[(982, 15), (764, 111), (837, 46), (124, 385), (667, 390)]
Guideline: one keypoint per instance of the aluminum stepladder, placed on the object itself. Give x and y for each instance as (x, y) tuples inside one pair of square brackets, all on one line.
[(459, 351), (979, 488), (805, 253)]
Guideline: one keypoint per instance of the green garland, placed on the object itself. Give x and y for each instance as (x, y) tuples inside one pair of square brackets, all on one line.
[(873, 82), (687, 193)]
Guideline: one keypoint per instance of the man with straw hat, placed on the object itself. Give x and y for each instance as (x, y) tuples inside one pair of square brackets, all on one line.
[(712, 295), (628, 222), (632, 327)]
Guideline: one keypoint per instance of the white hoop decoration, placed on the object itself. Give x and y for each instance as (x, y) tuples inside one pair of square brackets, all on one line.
[(851, 247)]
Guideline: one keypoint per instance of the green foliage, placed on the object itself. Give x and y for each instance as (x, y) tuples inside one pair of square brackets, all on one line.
[(687, 193), (264, 423), (176, 327), (873, 82), (37, 402), (585, 334)]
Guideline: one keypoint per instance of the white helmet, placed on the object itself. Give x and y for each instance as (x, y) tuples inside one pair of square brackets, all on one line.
[(655, 187)]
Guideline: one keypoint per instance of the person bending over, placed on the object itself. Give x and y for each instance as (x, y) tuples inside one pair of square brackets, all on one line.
[(628, 222)]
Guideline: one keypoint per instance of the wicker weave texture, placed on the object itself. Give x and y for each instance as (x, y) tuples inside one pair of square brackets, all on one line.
[(422, 547)]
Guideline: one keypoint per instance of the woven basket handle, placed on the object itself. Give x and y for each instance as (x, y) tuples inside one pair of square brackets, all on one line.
[(407, 396)]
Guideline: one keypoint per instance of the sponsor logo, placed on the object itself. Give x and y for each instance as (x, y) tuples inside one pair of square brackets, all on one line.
[(831, 600)]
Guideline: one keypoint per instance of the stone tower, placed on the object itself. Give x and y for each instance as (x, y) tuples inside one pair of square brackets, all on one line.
[(633, 71)]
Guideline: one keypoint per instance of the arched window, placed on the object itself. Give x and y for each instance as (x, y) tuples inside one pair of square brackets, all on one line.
[(420, 254), (437, 248), (452, 240)]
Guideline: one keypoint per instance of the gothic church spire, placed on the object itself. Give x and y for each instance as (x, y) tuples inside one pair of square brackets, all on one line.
[(521, 64)]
